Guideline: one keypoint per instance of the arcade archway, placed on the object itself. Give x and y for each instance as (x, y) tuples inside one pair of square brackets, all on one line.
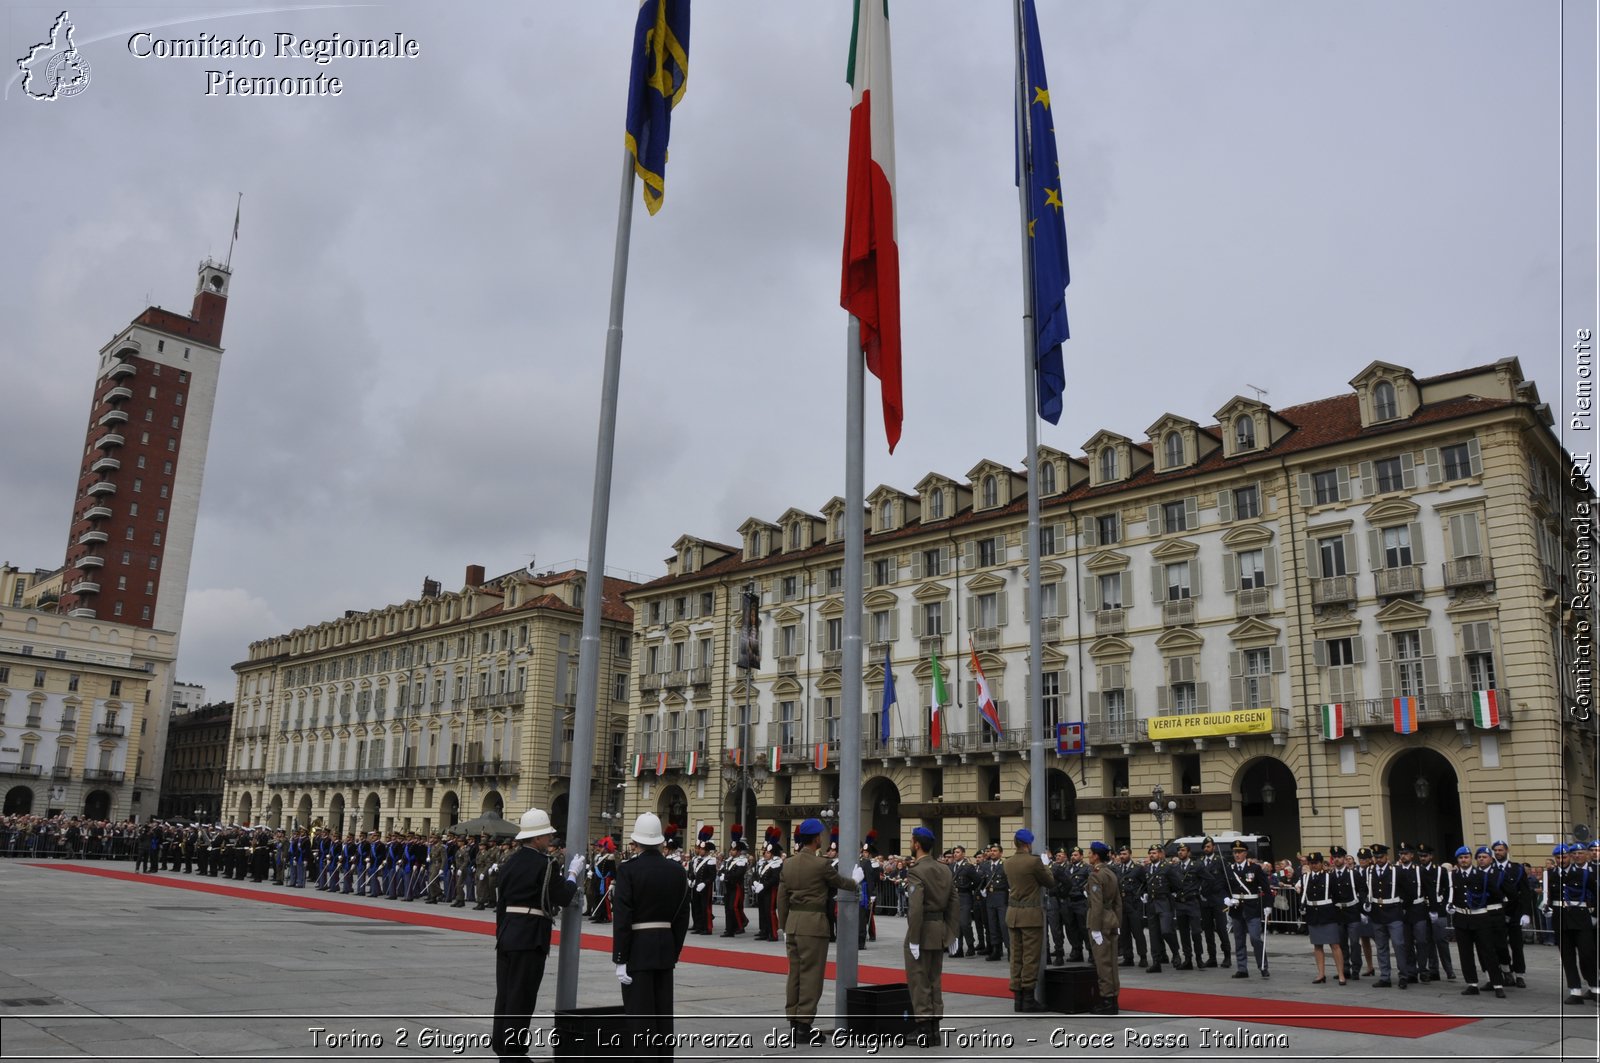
[(19, 801), (880, 811), (1269, 803), (97, 805), (1424, 800)]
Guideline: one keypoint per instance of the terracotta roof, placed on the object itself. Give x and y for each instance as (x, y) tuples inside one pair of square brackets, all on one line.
[(1320, 423)]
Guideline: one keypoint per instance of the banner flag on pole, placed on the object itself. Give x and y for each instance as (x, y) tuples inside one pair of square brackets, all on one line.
[(1405, 715), (870, 289), (655, 85), (1332, 722), (1485, 708), (888, 698), (940, 700), (1047, 230), (986, 709)]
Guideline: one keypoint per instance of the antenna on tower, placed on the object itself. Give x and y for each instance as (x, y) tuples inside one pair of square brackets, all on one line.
[(1259, 391)]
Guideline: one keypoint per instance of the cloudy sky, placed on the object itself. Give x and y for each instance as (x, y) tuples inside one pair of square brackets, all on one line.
[(1257, 193)]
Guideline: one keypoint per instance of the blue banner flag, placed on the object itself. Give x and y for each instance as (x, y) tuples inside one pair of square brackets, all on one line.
[(660, 69), (888, 699), (1047, 229)]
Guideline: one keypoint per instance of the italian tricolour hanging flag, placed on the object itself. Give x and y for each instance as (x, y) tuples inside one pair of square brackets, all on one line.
[(692, 766), (870, 290), (774, 756), (1332, 722), (1485, 708), (638, 765), (940, 700)]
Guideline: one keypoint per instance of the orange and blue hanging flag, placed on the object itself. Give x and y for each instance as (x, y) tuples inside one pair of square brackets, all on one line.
[(1405, 715)]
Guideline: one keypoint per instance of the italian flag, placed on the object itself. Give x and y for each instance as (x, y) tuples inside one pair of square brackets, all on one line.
[(870, 289), (638, 765), (774, 755), (692, 767), (1332, 722), (940, 700), (1485, 708)]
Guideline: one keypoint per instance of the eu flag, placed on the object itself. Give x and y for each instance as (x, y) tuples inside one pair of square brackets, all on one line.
[(660, 68), (1047, 230)]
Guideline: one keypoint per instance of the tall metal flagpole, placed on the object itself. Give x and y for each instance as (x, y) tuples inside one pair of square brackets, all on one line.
[(593, 595), (850, 697), (1036, 739)]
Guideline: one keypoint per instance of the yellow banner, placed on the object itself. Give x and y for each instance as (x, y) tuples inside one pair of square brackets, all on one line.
[(1198, 725)]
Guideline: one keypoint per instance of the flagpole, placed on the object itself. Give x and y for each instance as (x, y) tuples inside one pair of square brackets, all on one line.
[(235, 237), (851, 695), (1036, 743), (583, 731)]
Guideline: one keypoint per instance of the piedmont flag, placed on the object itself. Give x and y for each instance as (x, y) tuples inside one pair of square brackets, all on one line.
[(820, 759), (1332, 722), (1047, 230), (655, 85), (940, 700), (1069, 738), (888, 698), (1405, 715), (638, 765), (1485, 708), (692, 765), (986, 709), (870, 288), (661, 762), (774, 756)]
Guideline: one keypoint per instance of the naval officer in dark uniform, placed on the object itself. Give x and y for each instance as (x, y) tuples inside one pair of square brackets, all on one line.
[(650, 913), (532, 892)]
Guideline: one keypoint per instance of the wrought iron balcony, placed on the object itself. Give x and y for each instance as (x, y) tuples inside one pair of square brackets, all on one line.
[(61, 771), (1431, 708), (1468, 571), (504, 700), (102, 775), (13, 767), (246, 775), (1331, 589), (110, 730), (485, 769), (1391, 582)]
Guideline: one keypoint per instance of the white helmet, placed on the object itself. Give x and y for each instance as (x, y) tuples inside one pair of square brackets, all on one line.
[(535, 822), (647, 829)]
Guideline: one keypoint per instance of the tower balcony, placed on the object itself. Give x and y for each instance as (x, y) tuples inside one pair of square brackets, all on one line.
[(88, 561), (91, 537), (83, 612), (111, 417), (119, 394), (123, 370), (98, 513), (86, 586), (109, 441), (103, 487), (106, 465)]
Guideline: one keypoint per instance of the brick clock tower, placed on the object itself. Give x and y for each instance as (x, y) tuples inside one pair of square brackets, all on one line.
[(144, 456)]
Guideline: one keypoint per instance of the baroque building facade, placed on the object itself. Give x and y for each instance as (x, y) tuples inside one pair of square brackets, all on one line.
[(1394, 561), (416, 716)]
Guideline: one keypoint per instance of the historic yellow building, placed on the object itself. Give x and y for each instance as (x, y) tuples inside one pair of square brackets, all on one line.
[(81, 704), (419, 715), (1343, 621)]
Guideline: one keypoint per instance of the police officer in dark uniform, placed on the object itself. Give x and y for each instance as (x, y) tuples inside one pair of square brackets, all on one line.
[(1186, 907), (1161, 886), (996, 899), (1435, 952), (969, 895), (532, 892), (1517, 887), (1385, 909), (1213, 911), (650, 907), (1474, 902), (1349, 894), (1075, 904), (1569, 901), (1131, 877), (1249, 893)]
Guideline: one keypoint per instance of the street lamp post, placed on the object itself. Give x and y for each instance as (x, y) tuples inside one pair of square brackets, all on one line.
[(1161, 807)]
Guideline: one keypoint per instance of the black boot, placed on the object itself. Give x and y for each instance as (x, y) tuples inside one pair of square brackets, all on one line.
[(1028, 1002)]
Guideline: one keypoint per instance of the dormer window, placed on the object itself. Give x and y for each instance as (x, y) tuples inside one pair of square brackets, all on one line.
[(794, 536), (1384, 406), (1244, 433), (1172, 446), (1108, 464), (936, 505), (1047, 479), (883, 515), (991, 491)]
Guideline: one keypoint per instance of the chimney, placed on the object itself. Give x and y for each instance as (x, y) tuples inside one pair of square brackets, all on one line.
[(474, 575)]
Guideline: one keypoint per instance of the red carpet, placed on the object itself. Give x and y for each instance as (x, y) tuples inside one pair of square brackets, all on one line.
[(1335, 1017)]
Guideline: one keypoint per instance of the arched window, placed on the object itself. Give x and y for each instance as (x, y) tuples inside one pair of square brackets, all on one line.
[(1244, 433), (1173, 445), (991, 491), (1384, 407), (936, 504), (1108, 463), (1047, 479)]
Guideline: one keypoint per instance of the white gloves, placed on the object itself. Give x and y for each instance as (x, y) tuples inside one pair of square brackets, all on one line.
[(1144, 898), (622, 971), (1099, 938), (1547, 911), (916, 951), (699, 887), (1229, 902), (955, 947), (757, 888), (1043, 859), (575, 869), (857, 874), (1527, 920)]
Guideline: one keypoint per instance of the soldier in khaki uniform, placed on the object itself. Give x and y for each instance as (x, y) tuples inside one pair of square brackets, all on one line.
[(1028, 877), (1103, 921), (931, 912), (803, 890)]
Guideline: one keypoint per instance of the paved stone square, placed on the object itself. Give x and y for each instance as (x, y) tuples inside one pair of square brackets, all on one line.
[(113, 965)]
